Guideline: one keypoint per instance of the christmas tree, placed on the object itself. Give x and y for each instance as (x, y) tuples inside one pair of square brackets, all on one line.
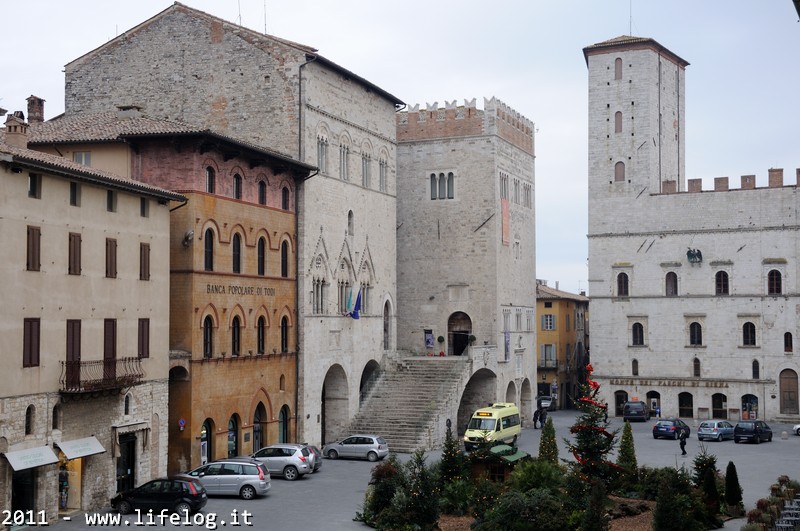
[(592, 441)]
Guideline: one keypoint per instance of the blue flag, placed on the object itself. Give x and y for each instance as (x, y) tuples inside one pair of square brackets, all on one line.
[(357, 307)]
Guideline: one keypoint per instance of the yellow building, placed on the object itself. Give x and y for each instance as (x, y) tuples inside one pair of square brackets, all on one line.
[(562, 342)]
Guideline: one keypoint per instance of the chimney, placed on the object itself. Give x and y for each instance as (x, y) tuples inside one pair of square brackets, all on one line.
[(720, 184), (748, 182), (775, 177), (35, 109), (16, 130), (556, 284)]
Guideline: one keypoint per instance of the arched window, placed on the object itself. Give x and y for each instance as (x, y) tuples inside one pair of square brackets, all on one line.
[(672, 284), (756, 370), (622, 285), (787, 342), (749, 334), (127, 408), (283, 425), (618, 122), (208, 248), (208, 337), (56, 417), (262, 256), (30, 415), (721, 283), (237, 253), (236, 336), (635, 367), (619, 171), (442, 186), (282, 383), (617, 68), (233, 436), (774, 282), (434, 186), (210, 180), (350, 222), (285, 259), (696, 368), (284, 334), (638, 335), (695, 334), (262, 193), (451, 185), (285, 198), (261, 335), (237, 186)]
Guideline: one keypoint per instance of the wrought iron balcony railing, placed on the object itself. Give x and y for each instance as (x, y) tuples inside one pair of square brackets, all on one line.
[(100, 375), (548, 364)]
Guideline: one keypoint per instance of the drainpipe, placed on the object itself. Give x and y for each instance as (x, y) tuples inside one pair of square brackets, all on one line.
[(299, 295)]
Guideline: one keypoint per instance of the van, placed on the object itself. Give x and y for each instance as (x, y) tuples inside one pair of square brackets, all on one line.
[(497, 422), (636, 410)]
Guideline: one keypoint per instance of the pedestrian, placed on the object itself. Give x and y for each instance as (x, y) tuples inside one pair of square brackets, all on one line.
[(682, 439), (536, 415), (543, 417), (605, 413)]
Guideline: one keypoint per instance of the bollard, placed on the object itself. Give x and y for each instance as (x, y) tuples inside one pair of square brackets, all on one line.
[(784, 435)]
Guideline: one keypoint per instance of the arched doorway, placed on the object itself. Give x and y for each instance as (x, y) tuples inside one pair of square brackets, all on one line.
[(526, 402), (481, 390), (654, 401), (259, 427), (719, 406), (233, 435), (620, 397), (368, 377), (789, 392), (207, 442), (283, 424), (685, 405), (749, 407), (335, 404), (459, 328), (511, 393)]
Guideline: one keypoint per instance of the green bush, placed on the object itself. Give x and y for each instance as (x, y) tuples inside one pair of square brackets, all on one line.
[(538, 509), (702, 462), (386, 479), (456, 497), (484, 495), (536, 474), (548, 448)]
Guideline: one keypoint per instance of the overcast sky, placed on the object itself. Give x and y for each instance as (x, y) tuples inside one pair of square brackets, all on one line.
[(742, 85)]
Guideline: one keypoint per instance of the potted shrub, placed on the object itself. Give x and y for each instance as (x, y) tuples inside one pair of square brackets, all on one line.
[(440, 339)]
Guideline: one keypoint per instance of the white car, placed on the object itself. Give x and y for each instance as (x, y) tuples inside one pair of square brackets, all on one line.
[(796, 429)]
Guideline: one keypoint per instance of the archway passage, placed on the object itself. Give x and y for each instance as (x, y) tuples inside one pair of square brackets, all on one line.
[(511, 393), (719, 406), (620, 397), (788, 391), (368, 378), (260, 427), (749, 407), (335, 404), (526, 401), (480, 391), (654, 401), (685, 405), (459, 328)]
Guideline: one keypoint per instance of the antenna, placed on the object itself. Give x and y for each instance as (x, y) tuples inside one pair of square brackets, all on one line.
[(265, 17), (239, 3), (630, 17)]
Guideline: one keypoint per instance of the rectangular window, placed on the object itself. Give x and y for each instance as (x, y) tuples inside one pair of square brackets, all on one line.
[(109, 349), (144, 338), (111, 201), (30, 343), (382, 175), (506, 320), (322, 155), (365, 171), (34, 248), (548, 356), (34, 186), (548, 322), (82, 157), (111, 258), (74, 194), (144, 261), (518, 319), (73, 353), (144, 207), (344, 155), (74, 253)]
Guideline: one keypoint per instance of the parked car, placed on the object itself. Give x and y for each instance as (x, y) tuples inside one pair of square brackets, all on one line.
[(316, 453), (796, 429), (752, 430), (670, 428), (360, 446), (236, 476), (546, 402), (714, 430), (179, 494), (291, 461), (636, 410)]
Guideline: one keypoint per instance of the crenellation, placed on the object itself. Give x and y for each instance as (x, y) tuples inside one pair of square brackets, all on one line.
[(722, 184)]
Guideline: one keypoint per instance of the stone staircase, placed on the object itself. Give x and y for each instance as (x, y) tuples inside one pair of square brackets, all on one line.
[(410, 399)]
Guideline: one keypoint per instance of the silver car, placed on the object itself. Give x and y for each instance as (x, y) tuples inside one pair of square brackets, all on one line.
[(715, 430), (243, 476), (359, 446), (289, 460)]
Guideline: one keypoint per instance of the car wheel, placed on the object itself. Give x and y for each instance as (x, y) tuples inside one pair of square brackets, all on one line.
[(183, 508), (333, 454), (736, 440), (770, 438), (124, 507), (655, 436), (719, 438), (290, 473), (372, 456), (758, 439), (247, 492), (798, 431)]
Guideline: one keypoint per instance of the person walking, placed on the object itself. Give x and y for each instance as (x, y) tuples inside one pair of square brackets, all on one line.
[(536, 415), (682, 439), (605, 413), (543, 416)]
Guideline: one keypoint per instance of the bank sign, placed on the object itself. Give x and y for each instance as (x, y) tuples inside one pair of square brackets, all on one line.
[(232, 289)]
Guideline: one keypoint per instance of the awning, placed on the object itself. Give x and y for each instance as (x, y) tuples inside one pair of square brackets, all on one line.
[(81, 447), (508, 453), (31, 457)]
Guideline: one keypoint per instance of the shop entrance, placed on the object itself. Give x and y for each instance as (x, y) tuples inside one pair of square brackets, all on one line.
[(126, 462), (23, 490)]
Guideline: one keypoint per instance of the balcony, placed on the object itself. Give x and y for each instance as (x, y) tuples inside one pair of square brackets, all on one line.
[(94, 376), (548, 364)]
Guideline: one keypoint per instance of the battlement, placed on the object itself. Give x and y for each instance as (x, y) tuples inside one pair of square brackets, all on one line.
[(454, 121), (748, 182)]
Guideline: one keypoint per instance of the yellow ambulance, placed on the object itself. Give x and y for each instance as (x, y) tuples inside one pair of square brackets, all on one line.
[(497, 422)]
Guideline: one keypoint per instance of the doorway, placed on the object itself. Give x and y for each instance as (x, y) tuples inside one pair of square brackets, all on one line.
[(459, 328), (23, 490), (126, 462), (788, 384)]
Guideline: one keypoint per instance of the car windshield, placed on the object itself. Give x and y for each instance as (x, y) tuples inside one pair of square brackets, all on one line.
[(665, 423), (483, 424)]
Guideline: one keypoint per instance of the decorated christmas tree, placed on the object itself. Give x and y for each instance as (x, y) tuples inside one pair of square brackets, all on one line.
[(592, 441)]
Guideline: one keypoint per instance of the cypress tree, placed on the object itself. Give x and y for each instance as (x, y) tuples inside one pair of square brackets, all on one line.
[(626, 458), (733, 490), (548, 448)]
